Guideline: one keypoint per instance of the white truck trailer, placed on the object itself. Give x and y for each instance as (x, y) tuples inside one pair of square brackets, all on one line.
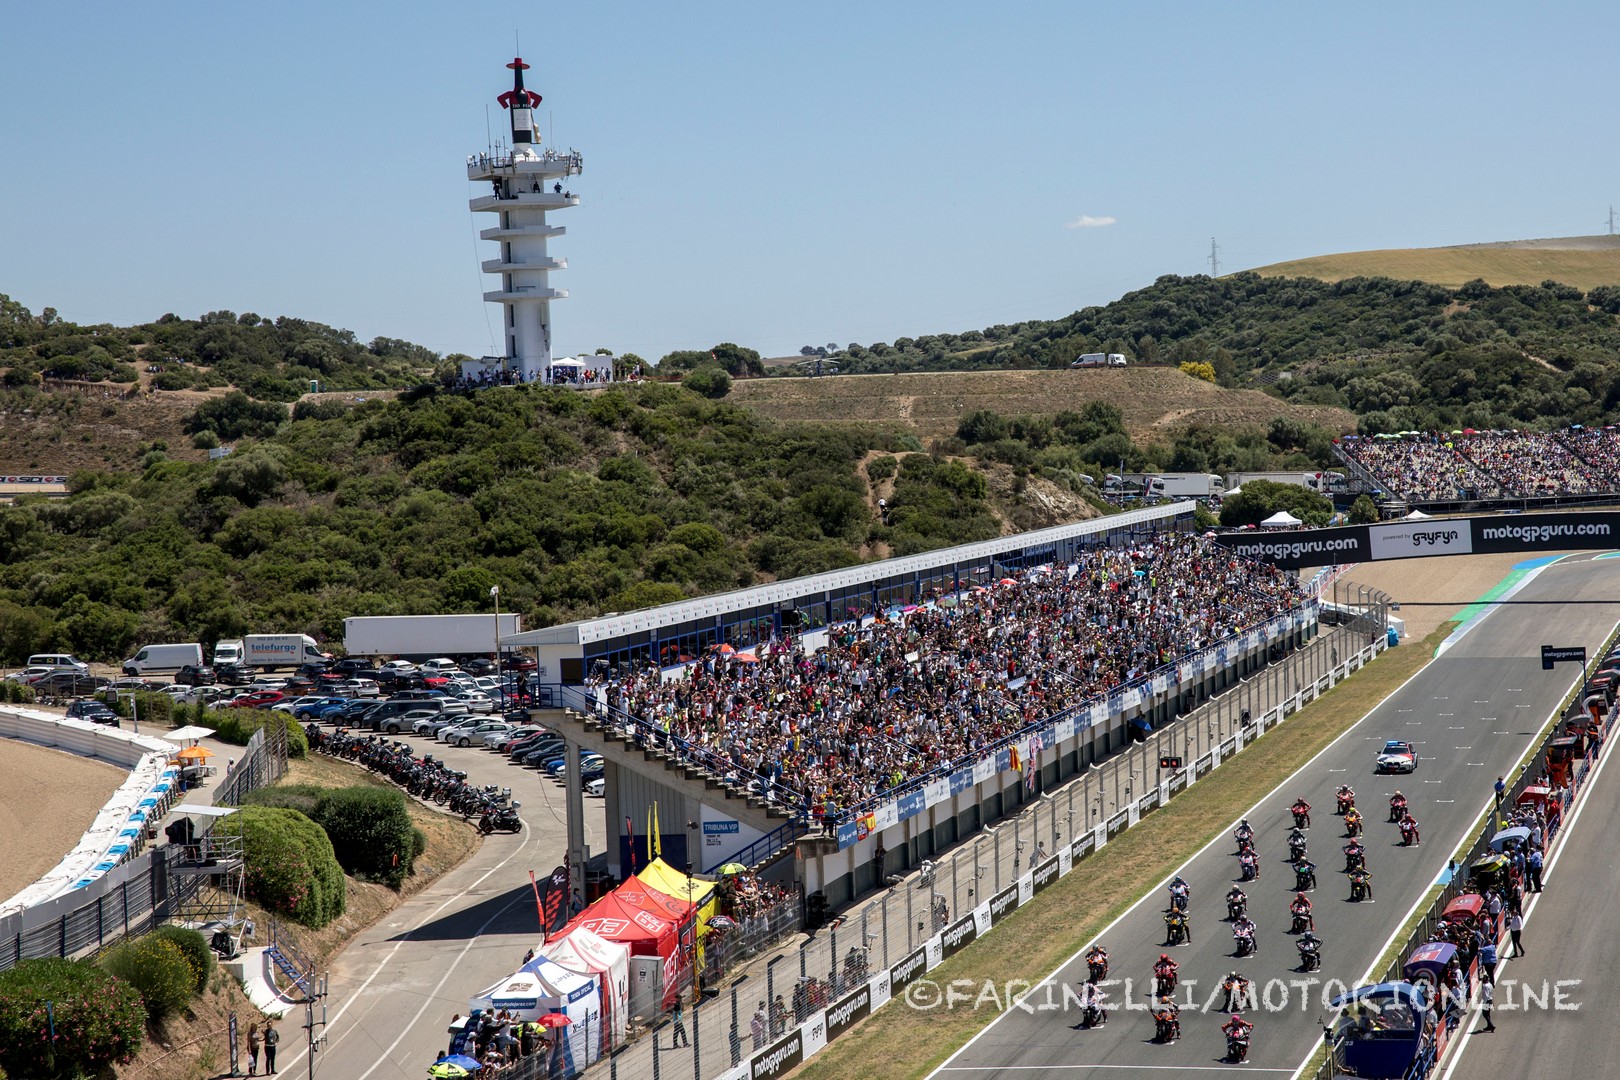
[(1097, 359), (1174, 485), (421, 637)]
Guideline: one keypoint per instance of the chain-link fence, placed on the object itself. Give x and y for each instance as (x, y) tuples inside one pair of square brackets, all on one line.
[(933, 908), (263, 762)]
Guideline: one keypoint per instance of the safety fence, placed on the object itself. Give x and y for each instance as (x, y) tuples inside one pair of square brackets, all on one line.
[(1459, 883), (781, 1013), (141, 892)]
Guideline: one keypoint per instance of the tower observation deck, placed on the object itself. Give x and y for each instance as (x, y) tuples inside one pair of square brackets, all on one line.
[(526, 183)]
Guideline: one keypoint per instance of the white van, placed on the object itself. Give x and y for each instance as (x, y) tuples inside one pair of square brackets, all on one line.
[(228, 652), (59, 662), (164, 658)]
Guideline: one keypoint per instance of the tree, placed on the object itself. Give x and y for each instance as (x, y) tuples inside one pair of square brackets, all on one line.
[(711, 382), (1362, 511), (1260, 499)]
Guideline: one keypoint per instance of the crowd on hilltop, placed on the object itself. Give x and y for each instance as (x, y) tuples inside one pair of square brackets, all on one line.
[(908, 694), (1467, 465)]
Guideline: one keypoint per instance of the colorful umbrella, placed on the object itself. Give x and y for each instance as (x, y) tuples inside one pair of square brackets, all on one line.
[(554, 1019), (443, 1070), (745, 658), (195, 753), (733, 868), (724, 650)]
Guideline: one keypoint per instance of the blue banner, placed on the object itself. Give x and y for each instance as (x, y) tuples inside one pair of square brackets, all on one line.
[(912, 804), (961, 780)]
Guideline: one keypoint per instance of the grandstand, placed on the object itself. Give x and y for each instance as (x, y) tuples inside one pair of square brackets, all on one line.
[(1483, 469), (828, 709)]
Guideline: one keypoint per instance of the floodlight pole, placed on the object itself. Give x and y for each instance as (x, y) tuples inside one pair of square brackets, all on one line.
[(500, 684)]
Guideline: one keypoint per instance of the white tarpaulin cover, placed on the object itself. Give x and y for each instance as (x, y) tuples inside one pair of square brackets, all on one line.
[(1282, 519), (583, 952), (542, 986)]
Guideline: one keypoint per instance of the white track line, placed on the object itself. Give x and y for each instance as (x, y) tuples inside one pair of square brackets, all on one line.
[(1466, 1026), (1219, 837), (385, 961)]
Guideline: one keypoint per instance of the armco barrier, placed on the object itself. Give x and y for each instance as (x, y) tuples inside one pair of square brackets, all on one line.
[(118, 832)]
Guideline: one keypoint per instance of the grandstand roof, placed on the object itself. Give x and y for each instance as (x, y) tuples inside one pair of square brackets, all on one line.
[(686, 611)]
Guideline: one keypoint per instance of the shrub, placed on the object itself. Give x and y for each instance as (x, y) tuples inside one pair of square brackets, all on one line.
[(370, 830), (300, 797), (238, 725), (711, 382), (418, 843), (290, 864), (195, 946), (158, 968), (99, 1019)]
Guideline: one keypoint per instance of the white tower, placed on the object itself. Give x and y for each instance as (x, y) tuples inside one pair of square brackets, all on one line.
[(526, 182)]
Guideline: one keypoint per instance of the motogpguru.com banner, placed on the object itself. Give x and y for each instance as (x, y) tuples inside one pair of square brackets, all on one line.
[(1293, 549)]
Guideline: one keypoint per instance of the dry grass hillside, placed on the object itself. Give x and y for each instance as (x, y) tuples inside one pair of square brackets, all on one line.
[(1152, 399), (1581, 261)]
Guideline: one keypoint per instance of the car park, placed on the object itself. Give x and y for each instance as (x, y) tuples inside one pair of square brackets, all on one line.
[(1397, 756), (479, 666), (519, 662), (475, 702), (399, 667), (195, 675), (208, 695), (468, 732), (442, 665), (596, 785), (538, 755), (401, 722), (529, 743), (351, 664)]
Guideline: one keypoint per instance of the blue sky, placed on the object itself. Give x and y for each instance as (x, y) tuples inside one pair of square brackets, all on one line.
[(776, 175)]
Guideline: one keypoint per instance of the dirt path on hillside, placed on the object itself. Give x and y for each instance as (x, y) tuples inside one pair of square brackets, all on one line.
[(47, 799)]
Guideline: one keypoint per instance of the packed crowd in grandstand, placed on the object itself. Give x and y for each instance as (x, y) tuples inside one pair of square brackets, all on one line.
[(1468, 464), (908, 694)]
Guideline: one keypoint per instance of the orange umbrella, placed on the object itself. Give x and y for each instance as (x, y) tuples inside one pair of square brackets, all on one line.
[(745, 658), (194, 753)]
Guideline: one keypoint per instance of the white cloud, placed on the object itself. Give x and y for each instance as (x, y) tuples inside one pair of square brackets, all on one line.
[(1086, 221)]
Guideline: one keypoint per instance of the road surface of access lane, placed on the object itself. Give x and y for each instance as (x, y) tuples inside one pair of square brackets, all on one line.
[(1472, 713)]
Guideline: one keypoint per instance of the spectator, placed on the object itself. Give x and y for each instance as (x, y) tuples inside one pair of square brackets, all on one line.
[(756, 1027), (272, 1038)]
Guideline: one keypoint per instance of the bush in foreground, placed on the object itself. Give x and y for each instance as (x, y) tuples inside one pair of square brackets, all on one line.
[(158, 968), (195, 946), (370, 830), (238, 725), (290, 865), (98, 1019), (300, 797)]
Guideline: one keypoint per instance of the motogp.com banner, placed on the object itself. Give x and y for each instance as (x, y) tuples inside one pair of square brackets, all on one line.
[(1293, 549)]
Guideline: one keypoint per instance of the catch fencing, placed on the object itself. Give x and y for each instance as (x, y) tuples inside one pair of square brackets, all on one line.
[(779, 1014), (263, 762)]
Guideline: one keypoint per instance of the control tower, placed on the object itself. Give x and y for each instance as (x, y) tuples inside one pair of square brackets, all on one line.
[(525, 183)]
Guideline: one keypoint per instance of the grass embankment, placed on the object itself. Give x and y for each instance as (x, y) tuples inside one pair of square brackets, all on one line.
[(193, 1047), (1035, 940), (1583, 267)]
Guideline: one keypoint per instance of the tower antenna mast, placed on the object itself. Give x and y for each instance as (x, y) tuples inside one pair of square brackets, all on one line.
[(1214, 258)]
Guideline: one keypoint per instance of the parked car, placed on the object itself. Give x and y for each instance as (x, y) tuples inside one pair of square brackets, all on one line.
[(480, 665), (97, 712), (468, 731), (518, 662), (257, 699), (310, 708), (596, 785), (394, 681), (298, 684), (528, 743), (59, 662), (195, 675), (430, 724), (30, 675), (543, 752), (475, 701), (350, 664), (558, 766), (442, 665), (513, 736), (69, 684), (354, 688), (399, 667), (401, 722), (208, 695), (235, 674)]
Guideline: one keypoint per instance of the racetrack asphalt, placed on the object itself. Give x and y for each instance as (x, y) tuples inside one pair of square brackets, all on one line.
[(393, 989), (1552, 1007), (1472, 714)]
